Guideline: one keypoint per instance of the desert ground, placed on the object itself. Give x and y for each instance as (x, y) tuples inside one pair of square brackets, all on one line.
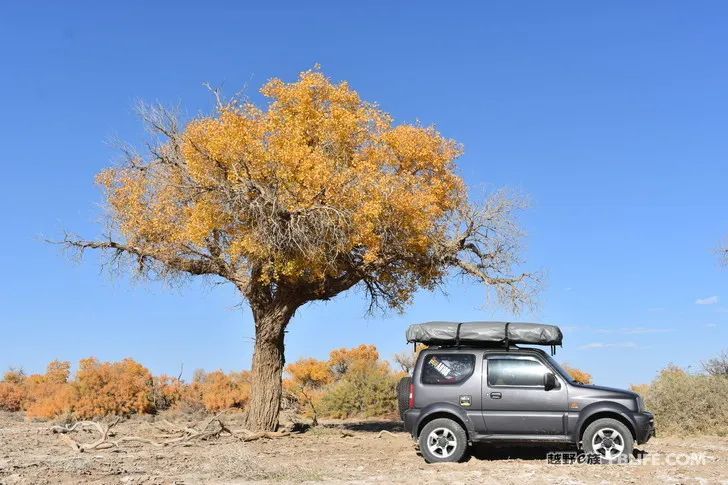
[(358, 452)]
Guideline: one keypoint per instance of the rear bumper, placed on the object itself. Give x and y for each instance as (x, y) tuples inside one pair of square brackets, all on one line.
[(411, 419), (644, 426)]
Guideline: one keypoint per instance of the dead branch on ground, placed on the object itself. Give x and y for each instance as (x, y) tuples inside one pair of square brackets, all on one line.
[(173, 434)]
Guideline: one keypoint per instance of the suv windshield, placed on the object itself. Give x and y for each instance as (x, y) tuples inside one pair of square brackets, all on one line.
[(560, 369)]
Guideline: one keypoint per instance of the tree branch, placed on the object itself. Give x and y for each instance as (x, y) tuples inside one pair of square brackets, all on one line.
[(201, 264), (486, 246)]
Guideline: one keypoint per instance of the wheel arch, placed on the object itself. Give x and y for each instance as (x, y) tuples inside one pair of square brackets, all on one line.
[(445, 411), (605, 413)]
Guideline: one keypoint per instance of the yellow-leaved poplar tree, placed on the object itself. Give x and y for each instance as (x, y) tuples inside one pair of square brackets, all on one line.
[(301, 200)]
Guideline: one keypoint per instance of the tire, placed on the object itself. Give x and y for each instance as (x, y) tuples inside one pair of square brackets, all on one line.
[(610, 439), (443, 440), (403, 388)]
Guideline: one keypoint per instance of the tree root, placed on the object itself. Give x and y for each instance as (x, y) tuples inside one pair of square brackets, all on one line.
[(173, 434)]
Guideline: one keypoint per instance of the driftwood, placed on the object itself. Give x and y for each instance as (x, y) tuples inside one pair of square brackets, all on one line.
[(173, 435)]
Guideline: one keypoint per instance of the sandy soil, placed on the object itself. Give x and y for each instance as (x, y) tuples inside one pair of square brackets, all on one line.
[(30, 453)]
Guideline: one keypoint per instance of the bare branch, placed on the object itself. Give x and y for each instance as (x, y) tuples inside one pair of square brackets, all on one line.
[(195, 263), (486, 246)]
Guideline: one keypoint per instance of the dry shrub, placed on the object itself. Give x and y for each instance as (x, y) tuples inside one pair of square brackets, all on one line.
[(14, 376), (167, 392), (343, 360), (353, 382), (686, 403), (113, 388), (641, 389), (217, 390), (364, 392), (50, 400), (49, 395), (12, 396), (363, 386), (577, 374), (308, 378)]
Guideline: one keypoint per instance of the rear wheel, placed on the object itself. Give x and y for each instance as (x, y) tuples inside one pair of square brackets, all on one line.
[(610, 439), (443, 440), (403, 390)]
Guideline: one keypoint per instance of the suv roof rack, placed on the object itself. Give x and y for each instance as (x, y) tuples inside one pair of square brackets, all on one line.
[(484, 334)]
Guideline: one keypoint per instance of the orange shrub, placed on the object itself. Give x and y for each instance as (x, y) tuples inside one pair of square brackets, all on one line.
[(50, 395), (342, 361), (167, 392), (113, 388), (14, 376), (308, 376), (577, 374), (51, 400), (218, 391), (12, 396)]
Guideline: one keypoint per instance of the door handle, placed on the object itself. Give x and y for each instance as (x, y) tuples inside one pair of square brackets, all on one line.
[(495, 395)]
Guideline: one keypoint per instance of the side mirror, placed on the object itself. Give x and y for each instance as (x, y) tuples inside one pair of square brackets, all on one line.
[(549, 381)]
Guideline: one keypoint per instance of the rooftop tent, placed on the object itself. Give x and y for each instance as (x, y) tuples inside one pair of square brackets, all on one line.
[(453, 333)]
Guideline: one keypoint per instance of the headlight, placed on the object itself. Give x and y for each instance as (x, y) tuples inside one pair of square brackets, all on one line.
[(640, 404)]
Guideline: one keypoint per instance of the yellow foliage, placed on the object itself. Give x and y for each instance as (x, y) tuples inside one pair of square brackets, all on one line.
[(218, 391), (353, 382), (344, 360), (319, 153), (12, 396), (14, 376), (308, 377), (310, 372), (168, 392), (116, 388), (50, 395), (50, 400), (364, 385), (577, 374)]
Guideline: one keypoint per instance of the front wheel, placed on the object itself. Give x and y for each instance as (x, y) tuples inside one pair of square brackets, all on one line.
[(443, 440), (610, 439)]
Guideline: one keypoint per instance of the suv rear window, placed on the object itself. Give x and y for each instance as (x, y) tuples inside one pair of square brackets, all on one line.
[(515, 372), (447, 368)]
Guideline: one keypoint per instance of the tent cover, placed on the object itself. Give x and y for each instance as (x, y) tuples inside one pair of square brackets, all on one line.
[(479, 333)]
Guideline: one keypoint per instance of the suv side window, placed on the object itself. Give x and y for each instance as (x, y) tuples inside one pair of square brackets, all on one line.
[(447, 368), (514, 371)]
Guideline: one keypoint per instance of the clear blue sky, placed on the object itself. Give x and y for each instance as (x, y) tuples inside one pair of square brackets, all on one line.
[(612, 116)]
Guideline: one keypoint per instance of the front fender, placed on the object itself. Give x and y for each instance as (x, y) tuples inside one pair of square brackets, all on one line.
[(443, 410), (603, 407)]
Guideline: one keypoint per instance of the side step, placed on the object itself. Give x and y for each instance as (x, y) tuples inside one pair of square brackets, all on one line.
[(530, 438)]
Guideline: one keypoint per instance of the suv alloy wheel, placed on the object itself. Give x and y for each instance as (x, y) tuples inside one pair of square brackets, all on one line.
[(610, 439), (443, 440)]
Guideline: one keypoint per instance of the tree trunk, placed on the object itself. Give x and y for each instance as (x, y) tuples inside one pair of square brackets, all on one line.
[(268, 362)]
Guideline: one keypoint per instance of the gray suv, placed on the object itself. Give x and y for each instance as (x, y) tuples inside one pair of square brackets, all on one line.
[(459, 395)]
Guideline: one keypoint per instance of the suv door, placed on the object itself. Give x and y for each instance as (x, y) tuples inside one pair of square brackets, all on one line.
[(515, 400)]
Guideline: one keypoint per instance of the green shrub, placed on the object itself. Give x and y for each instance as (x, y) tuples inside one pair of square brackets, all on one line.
[(363, 392), (685, 403)]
